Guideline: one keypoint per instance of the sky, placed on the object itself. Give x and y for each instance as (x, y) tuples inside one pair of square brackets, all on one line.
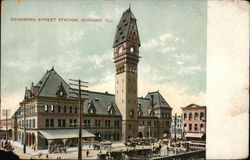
[(173, 46)]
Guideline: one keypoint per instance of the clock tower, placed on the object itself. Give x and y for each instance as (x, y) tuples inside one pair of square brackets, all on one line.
[(126, 57)]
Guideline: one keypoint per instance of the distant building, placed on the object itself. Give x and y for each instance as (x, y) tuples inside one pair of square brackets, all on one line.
[(194, 122), (5, 126), (178, 126)]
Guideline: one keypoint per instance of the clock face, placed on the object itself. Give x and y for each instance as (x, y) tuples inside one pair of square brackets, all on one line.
[(120, 51), (132, 49)]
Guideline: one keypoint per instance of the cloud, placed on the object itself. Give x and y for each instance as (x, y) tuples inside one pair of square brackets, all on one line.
[(189, 69), (162, 44)]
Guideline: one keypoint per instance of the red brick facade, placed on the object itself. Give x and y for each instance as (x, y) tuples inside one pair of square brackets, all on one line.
[(194, 119)]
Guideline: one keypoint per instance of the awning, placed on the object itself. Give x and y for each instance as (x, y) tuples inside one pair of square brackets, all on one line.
[(64, 133), (194, 135), (5, 128)]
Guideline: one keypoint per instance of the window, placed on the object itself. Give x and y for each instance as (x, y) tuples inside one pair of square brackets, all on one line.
[(196, 116), (190, 127), (70, 121), (46, 108), (88, 124), (185, 116), (118, 123), (51, 122), (52, 108), (59, 123), (59, 108), (75, 109), (149, 123), (190, 116), (70, 109), (106, 123), (202, 115), (47, 123), (201, 126), (64, 109), (64, 123), (195, 127), (129, 126)]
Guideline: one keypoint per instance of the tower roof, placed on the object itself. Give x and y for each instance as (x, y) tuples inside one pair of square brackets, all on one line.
[(127, 23)]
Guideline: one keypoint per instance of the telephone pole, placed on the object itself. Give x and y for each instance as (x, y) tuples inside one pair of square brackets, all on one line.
[(175, 118), (24, 129), (78, 91)]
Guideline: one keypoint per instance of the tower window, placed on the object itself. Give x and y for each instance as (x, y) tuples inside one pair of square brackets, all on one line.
[(121, 33), (124, 37), (120, 28), (126, 24)]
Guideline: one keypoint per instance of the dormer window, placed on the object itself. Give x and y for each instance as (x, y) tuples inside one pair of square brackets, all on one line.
[(91, 108), (111, 109)]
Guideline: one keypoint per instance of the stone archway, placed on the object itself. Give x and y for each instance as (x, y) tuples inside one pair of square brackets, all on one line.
[(140, 135), (33, 139), (29, 139)]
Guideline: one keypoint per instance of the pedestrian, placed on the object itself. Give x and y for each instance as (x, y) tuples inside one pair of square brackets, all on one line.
[(87, 153), (107, 154)]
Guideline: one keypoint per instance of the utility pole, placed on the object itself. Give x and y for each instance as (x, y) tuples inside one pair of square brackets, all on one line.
[(78, 91), (24, 129), (175, 118)]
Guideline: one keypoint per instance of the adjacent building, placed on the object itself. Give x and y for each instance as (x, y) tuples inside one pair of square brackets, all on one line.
[(176, 126), (194, 122), (49, 112)]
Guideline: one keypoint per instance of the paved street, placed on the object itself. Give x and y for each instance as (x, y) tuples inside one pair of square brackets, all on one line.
[(72, 151)]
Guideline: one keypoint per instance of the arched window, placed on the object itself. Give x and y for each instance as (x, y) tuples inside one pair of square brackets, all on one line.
[(65, 109), (75, 109), (52, 108), (59, 108), (46, 108), (185, 116), (196, 116), (202, 115), (70, 109), (190, 116)]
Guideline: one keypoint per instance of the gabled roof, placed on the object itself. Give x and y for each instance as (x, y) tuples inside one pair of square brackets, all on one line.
[(101, 101), (145, 104), (158, 100), (127, 23), (194, 106), (48, 85)]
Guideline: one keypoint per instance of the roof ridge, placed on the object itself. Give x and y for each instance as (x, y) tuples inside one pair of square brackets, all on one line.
[(40, 89)]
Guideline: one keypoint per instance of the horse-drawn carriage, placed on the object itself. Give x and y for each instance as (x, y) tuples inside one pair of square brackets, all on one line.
[(57, 149)]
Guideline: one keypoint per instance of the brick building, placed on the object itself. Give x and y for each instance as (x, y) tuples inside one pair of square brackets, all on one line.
[(52, 115), (194, 122)]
